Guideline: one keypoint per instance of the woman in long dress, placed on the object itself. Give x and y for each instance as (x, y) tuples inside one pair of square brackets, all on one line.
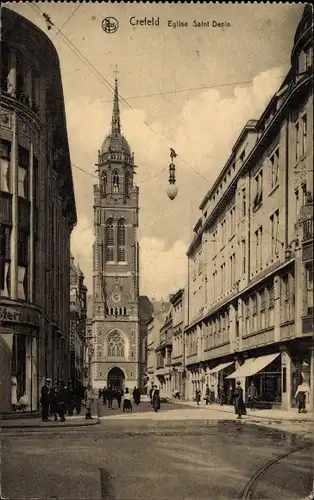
[(239, 406), (156, 400)]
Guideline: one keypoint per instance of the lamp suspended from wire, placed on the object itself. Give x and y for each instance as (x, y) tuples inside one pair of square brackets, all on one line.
[(172, 189)]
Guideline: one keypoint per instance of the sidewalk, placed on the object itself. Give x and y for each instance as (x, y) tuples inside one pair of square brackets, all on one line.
[(35, 423), (275, 415)]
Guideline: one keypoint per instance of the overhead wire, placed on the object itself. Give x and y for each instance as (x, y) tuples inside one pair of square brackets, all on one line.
[(124, 101)]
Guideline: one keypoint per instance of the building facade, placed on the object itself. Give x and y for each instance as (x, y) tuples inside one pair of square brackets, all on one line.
[(154, 324), (250, 292), (116, 323), (78, 317), (179, 317), (37, 208)]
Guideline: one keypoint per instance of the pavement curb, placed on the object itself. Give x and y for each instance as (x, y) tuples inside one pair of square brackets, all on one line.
[(251, 417), (61, 425)]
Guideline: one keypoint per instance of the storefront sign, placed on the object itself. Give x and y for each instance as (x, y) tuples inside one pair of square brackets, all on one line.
[(16, 314)]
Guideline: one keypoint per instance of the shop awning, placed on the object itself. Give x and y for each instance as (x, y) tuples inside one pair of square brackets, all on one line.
[(221, 367), (253, 366)]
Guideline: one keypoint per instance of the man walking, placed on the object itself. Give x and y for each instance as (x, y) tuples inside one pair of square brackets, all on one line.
[(45, 400), (89, 398)]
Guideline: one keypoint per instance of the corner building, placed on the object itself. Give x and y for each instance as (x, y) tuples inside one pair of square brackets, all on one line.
[(251, 259), (37, 211), (116, 323)]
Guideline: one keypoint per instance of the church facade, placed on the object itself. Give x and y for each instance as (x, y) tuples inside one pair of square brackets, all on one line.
[(116, 317)]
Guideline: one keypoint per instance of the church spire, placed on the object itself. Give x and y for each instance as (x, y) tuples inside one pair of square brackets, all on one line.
[(115, 123)]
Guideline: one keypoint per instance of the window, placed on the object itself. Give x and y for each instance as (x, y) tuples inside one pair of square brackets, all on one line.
[(22, 254), (310, 290), (115, 344), (304, 194), (115, 181), (4, 175), (297, 204), (232, 221), (242, 156), (215, 283), (258, 199), (223, 232), (297, 141), (274, 222), (285, 291), (271, 296), (274, 165), (304, 135), (243, 253), (110, 241), (121, 241), (259, 248), (223, 277), (243, 202), (215, 235), (4, 66), (232, 270)]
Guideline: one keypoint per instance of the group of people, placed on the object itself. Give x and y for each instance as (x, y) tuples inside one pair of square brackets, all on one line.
[(232, 397), (60, 399), (111, 393)]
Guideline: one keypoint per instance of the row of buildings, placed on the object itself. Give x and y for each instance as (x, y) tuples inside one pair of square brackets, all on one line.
[(42, 312), (246, 312)]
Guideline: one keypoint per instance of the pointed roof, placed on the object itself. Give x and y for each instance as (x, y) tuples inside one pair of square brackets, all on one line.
[(115, 142), (115, 122)]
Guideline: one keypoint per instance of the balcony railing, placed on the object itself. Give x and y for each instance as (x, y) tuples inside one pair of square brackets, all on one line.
[(308, 229)]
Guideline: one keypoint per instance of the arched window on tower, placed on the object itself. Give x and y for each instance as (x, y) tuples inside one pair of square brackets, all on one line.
[(109, 241), (121, 240), (115, 343), (127, 184), (115, 181)]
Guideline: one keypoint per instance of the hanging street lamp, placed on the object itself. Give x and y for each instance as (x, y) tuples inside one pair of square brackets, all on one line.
[(172, 189)]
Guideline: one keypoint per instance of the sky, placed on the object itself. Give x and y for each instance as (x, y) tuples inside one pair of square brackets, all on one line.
[(189, 88)]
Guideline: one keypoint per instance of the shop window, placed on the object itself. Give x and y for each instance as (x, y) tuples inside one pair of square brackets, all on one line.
[(19, 363)]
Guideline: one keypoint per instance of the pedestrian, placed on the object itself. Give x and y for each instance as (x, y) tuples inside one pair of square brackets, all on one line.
[(53, 403), (119, 397), (151, 394), (99, 393), (207, 395), (239, 406), (89, 398), (212, 394), (221, 395), (156, 400), (45, 400), (61, 400), (104, 395), (251, 396), (127, 405), (110, 396), (198, 396), (302, 396), (136, 396), (230, 394), (69, 399), (14, 393)]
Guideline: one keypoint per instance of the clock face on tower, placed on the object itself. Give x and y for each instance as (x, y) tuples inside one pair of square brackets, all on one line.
[(116, 297)]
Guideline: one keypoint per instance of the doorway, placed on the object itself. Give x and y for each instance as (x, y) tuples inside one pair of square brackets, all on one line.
[(116, 378)]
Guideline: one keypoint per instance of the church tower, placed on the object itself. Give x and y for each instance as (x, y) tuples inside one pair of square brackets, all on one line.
[(116, 326)]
